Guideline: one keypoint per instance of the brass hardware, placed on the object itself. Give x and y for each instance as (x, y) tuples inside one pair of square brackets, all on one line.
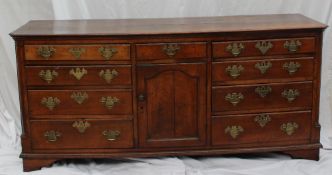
[(291, 67), (290, 94), (292, 45), (81, 125), (108, 75), (234, 131), (79, 97), (262, 119), (262, 91), (78, 73), (141, 97), (171, 49), (234, 98), (77, 52), (48, 75), (235, 48), (109, 101), (264, 46), (107, 52), (111, 135), (45, 51), (50, 102), (289, 128), (234, 71), (263, 66), (52, 136)]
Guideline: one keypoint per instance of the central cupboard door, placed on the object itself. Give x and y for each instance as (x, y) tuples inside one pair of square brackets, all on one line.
[(171, 105)]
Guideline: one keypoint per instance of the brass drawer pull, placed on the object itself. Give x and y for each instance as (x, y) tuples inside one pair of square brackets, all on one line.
[(292, 45), (107, 52), (50, 102), (48, 75), (171, 49), (234, 131), (235, 48), (263, 66), (262, 119), (291, 67), (264, 46), (234, 98), (111, 135), (45, 51), (290, 94), (108, 75), (234, 71), (52, 136), (78, 73), (289, 128), (79, 97), (109, 101), (263, 91), (77, 52), (81, 125)]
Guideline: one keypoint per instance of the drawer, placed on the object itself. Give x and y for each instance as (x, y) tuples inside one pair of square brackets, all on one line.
[(80, 102), (260, 97), (260, 129), (81, 75), (263, 47), (171, 51), (267, 70), (81, 134), (78, 52)]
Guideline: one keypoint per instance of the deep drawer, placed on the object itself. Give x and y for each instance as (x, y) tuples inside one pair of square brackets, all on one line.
[(79, 75), (78, 52), (260, 129), (263, 47), (81, 134), (171, 51), (83, 102), (261, 97), (267, 70)]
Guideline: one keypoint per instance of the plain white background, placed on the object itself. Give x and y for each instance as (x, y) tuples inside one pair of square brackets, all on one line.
[(14, 13)]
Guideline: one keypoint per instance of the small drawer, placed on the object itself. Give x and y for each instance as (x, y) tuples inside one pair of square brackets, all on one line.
[(259, 129), (260, 97), (80, 102), (81, 134), (78, 75), (267, 70), (171, 51), (263, 47), (106, 52)]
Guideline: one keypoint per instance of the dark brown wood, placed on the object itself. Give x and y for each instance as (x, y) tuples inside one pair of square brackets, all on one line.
[(250, 49), (91, 52), (92, 137), (252, 101), (255, 134), (156, 51), (171, 101), (92, 77), (251, 74)]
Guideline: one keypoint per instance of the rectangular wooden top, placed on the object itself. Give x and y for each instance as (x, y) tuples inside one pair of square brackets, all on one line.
[(167, 25)]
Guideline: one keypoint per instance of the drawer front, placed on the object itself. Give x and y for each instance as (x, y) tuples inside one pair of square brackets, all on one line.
[(78, 52), (282, 128), (80, 75), (263, 47), (84, 102), (259, 97), (171, 51), (267, 70), (81, 134)]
